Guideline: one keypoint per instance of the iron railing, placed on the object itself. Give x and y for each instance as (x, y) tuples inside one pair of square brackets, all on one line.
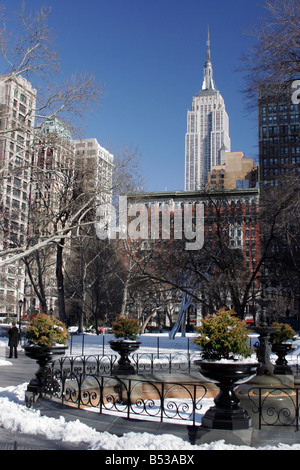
[(277, 406), (132, 398), (143, 363), (86, 382)]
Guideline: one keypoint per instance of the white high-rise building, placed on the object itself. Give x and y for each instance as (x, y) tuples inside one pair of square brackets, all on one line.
[(96, 164), (207, 131), (17, 107)]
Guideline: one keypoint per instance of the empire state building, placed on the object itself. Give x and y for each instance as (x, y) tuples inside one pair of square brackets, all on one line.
[(207, 131)]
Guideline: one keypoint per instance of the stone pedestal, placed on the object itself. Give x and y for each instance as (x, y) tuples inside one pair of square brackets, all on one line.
[(227, 413), (276, 406), (124, 348)]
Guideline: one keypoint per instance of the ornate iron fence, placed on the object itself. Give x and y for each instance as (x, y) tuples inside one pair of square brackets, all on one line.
[(132, 398), (144, 363), (86, 382), (278, 406)]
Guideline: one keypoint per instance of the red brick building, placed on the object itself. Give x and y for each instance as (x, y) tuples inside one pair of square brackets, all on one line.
[(231, 219)]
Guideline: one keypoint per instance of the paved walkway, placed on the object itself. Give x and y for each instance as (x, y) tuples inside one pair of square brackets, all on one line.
[(23, 369), (20, 371)]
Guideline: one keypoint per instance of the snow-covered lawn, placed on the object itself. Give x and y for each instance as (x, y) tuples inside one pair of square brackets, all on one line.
[(14, 415)]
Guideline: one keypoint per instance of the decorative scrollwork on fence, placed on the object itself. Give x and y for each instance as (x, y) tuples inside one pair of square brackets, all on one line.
[(278, 406), (145, 362), (163, 362), (133, 397)]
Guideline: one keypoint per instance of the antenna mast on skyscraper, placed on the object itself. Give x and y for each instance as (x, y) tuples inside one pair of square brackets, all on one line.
[(208, 45), (208, 83)]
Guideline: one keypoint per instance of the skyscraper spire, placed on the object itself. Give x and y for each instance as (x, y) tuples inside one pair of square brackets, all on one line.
[(208, 46), (207, 137), (208, 83)]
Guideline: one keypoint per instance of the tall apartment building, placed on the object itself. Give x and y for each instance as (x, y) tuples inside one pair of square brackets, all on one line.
[(96, 165), (207, 131), (52, 185), (37, 176), (279, 164), (279, 135), (62, 165), (17, 106)]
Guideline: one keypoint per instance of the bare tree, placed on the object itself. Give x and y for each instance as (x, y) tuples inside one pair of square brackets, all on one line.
[(27, 47), (220, 274), (28, 50), (275, 56), (103, 275)]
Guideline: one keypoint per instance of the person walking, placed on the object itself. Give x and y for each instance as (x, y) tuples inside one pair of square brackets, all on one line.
[(14, 338)]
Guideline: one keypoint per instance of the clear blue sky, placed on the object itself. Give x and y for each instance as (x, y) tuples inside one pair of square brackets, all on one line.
[(150, 55)]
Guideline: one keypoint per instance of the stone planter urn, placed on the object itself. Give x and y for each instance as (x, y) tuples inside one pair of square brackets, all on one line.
[(227, 414), (43, 355), (47, 339), (281, 364), (124, 348)]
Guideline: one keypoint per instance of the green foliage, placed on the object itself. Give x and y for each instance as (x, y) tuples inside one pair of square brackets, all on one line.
[(46, 331), (283, 333), (126, 328), (223, 335)]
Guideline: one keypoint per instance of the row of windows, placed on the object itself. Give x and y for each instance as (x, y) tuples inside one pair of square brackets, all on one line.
[(276, 171), (15, 204), (283, 161), (281, 108), (21, 96), (237, 232), (281, 119), (16, 192), (281, 151), (285, 139), (274, 182), (273, 130)]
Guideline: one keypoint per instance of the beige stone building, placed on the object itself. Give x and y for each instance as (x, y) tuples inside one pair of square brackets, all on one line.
[(236, 167)]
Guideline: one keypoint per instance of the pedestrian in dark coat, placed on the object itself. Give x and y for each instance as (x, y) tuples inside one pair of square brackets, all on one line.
[(14, 338)]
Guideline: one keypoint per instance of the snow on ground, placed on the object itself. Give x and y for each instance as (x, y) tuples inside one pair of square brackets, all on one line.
[(15, 417)]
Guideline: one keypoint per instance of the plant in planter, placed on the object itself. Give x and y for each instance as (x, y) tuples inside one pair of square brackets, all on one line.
[(47, 331), (126, 328), (225, 351), (281, 346), (47, 338), (283, 332), (126, 331), (223, 336)]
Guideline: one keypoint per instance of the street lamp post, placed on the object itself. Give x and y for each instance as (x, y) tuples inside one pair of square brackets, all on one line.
[(20, 311)]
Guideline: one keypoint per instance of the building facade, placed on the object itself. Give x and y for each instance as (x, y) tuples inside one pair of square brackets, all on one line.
[(17, 105), (52, 186), (96, 164), (236, 171), (38, 176), (279, 135), (279, 166), (207, 131), (231, 221)]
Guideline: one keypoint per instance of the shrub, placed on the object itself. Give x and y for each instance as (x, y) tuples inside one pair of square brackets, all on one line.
[(283, 333), (126, 328), (46, 331), (223, 335)]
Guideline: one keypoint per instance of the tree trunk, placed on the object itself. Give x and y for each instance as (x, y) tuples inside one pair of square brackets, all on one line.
[(60, 281), (38, 287)]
